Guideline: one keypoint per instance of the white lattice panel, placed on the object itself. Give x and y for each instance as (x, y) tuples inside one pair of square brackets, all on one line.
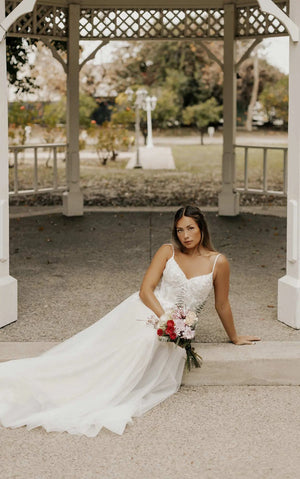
[(45, 21), (52, 21), (253, 22), (154, 23)]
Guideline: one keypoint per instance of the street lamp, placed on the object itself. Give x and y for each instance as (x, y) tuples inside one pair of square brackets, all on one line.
[(149, 105), (140, 97)]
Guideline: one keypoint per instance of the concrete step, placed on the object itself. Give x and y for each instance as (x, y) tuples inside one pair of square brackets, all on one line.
[(265, 363), (261, 364)]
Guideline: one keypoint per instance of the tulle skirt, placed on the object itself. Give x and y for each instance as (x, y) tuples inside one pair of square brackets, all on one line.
[(101, 377)]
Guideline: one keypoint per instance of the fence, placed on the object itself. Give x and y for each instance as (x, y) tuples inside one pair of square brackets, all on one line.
[(264, 190), (36, 188)]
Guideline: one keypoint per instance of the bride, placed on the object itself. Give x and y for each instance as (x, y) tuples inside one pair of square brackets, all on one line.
[(117, 368)]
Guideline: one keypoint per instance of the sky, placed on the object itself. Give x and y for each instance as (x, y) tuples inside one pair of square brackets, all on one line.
[(275, 50)]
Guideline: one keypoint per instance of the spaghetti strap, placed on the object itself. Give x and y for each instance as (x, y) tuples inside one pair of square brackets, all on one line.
[(215, 262)]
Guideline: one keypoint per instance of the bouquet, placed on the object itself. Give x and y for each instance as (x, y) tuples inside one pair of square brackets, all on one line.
[(178, 326)]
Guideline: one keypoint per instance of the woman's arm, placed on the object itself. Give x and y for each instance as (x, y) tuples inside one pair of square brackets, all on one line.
[(152, 277), (221, 287)]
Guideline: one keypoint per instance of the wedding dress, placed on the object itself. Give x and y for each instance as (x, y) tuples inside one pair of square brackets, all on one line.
[(106, 374)]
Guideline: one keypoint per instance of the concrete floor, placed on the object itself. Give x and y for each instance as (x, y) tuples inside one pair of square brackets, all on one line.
[(72, 270), (205, 432)]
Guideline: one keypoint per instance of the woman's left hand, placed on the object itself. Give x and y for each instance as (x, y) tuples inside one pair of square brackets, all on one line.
[(240, 340)]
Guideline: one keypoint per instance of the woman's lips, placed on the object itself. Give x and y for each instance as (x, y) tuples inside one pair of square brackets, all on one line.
[(187, 242)]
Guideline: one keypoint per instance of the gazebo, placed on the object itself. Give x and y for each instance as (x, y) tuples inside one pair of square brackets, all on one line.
[(224, 20)]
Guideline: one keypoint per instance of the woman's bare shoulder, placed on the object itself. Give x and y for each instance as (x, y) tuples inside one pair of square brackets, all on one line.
[(165, 251), (221, 258)]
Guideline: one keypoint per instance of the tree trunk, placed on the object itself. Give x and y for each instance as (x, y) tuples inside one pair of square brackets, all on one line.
[(254, 93), (201, 136)]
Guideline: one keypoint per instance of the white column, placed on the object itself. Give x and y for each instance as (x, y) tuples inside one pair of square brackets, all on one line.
[(289, 285), (73, 198), (8, 285), (228, 199)]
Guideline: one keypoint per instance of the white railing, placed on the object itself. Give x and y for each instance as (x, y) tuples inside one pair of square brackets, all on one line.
[(35, 160), (264, 190)]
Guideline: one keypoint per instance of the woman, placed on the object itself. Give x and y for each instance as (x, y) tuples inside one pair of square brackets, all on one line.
[(117, 368)]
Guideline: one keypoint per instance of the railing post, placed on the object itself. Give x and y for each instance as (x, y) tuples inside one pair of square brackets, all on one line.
[(265, 179), (16, 182), (35, 177), (55, 167), (285, 171), (246, 168)]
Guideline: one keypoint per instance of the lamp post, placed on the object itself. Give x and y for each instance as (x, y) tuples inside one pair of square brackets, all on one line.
[(149, 105), (138, 104)]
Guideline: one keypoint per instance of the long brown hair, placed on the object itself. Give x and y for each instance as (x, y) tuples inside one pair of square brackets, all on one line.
[(195, 213)]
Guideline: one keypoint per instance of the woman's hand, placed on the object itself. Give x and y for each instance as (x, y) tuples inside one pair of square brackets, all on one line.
[(240, 340)]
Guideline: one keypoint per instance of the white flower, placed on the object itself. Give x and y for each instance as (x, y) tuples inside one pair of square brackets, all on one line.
[(191, 319), (162, 323)]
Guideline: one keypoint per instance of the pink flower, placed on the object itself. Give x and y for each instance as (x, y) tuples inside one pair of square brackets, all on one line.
[(179, 326), (188, 333)]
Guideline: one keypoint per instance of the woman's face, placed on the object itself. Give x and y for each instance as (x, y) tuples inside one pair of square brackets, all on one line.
[(188, 232)]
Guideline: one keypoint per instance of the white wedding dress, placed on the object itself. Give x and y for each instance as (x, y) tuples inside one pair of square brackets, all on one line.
[(106, 374)]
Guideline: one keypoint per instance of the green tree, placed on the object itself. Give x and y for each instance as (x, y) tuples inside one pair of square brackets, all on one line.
[(123, 112), (202, 115), (17, 56), (110, 140), (54, 116), (18, 51), (167, 109), (87, 105), (275, 100), (268, 74), (20, 115)]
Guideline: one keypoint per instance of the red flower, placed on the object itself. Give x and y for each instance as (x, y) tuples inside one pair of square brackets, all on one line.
[(160, 332), (93, 122), (170, 323), (169, 331), (173, 335), (22, 107)]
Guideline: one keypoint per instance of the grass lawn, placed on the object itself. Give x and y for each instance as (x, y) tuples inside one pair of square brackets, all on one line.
[(197, 177)]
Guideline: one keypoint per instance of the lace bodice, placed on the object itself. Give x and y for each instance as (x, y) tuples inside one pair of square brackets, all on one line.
[(176, 289)]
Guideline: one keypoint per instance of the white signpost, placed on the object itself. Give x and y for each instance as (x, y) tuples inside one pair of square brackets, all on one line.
[(8, 285)]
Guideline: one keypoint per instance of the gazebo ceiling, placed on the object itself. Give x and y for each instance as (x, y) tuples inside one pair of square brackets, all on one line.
[(145, 19)]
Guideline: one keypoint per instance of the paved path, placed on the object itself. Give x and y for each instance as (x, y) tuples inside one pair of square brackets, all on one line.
[(156, 158)]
